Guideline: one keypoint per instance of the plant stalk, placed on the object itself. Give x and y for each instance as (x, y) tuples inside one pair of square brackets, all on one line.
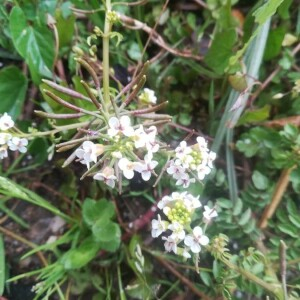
[(107, 28)]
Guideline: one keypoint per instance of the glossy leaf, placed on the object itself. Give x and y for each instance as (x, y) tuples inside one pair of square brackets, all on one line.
[(13, 89), (34, 42)]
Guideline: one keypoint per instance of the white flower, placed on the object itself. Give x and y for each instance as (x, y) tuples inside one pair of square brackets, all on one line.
[(87, 153), (117, 126), (182, 150), (170, 244), (164, 202), (3, 152), (202, 144), (146, 168), (192, 202), (18, 144), (140, 137), (194, 241), (4, 138), (185, 180), (127, 167), (209, 213), (211, 157), (178, 232), (185, 253), (158, 227), (148, 96), (175, 170), (107, 175), (151, 143), (6, 122), (202, 171)]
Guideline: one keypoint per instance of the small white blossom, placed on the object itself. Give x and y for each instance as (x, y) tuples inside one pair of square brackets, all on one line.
[(3, 152), (185, 253), (211, 157), (18, 144), (120, 126), (140, 137), (127, 167), (107, 175), (6, 122), (202, 144), (175, 170), (195, 241), (147, 167), (209, 213), (202, 171), (170, 244), (4, 138), (87, 153), (178, 232), (158, 227), (182, 150), (148, 96), (185, 180)]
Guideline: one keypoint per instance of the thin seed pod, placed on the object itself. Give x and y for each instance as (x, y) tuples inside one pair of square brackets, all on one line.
[(65, 90), (149, 109), (155, 116), (134, 81), (61, 101), (69, 160), (91, 95), (137, 78), (57, 116), (157, 123), (92, 72), (135, 91), (65, 148)]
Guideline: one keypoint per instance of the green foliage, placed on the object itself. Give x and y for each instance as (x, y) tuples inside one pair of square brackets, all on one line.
[(12, 90), (34, 42)]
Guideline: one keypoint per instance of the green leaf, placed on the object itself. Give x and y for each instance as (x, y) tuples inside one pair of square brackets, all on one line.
[(106, 231), (79, 257), (245, 217), (65, 28), (220, 51), (12, 91), (134, 52), (254, 116), (224, 203), (289, 229), (260, 181), (266, 11), (2, 266), (97, 210), (237, 209), (34, 42), (205, 276), (273, 46)]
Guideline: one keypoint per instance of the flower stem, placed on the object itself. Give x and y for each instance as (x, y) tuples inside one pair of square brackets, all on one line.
[(107, 28), (271, 288)]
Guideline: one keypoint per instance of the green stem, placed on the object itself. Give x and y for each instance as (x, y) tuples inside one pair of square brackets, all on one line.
[(272, 289), (107, 28)]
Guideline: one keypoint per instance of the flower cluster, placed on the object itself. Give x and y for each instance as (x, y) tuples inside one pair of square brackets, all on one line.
[(8, 139), (179, 209), (190, 159), (121, 143)]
